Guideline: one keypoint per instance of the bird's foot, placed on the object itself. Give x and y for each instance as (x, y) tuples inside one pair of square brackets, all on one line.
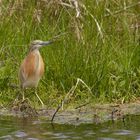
[(24, 107)]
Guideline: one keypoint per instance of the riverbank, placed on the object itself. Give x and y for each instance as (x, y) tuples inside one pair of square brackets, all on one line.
[(85, 114)]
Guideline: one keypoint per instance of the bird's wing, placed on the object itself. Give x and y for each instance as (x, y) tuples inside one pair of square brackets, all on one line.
[(28, 67)]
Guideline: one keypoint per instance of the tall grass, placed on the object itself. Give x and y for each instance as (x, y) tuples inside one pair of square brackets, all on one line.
[(101, 47)]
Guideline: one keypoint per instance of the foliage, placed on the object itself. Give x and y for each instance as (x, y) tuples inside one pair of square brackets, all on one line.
[(101, 47)]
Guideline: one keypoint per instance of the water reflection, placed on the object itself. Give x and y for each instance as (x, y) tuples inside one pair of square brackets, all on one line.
[(34, 129)]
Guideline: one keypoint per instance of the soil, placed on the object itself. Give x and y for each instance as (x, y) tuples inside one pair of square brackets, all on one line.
[(83, 114)]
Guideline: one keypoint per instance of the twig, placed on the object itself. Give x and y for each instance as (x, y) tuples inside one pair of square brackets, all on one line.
[(82, 105), (70, 93), (59, 106), (72, 90)]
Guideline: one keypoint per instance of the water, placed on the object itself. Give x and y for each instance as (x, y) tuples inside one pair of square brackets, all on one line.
[(26, 129)]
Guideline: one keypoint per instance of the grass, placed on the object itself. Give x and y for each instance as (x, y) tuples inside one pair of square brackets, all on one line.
[(101, 47)]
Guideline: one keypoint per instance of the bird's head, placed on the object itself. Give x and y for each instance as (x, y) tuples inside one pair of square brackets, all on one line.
[(37, 44)]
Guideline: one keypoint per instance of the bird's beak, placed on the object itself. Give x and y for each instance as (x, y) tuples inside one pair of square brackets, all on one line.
[(46, 43)]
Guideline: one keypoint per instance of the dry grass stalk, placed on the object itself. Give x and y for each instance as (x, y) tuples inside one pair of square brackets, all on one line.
[(69, 94), (121, 10), (97, 23)]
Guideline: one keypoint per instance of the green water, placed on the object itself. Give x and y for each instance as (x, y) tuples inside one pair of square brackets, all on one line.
[(19, 129)]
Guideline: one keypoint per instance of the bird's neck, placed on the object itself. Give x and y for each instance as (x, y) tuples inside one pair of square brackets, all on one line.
[(36, 51), (37, 55)]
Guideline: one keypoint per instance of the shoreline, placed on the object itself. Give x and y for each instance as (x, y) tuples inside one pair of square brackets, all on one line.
[(91, 114)]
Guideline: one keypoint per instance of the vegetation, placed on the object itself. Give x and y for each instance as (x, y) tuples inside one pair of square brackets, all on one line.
[(100, 50)]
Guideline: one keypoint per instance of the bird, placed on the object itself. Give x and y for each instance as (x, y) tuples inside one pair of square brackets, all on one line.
[(32, 67)]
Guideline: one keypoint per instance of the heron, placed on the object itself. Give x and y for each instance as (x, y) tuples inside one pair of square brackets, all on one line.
[(32, 67)]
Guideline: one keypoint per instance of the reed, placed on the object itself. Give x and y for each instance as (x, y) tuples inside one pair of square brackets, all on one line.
[(101, 48)]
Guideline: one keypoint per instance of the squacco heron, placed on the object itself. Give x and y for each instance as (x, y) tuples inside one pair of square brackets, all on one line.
[(32, 67)]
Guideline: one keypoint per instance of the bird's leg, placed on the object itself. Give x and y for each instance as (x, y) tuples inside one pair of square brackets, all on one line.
[(39, 98), (23, 97)]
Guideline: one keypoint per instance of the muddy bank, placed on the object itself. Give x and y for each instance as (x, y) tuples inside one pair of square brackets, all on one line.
[(85, 114)]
